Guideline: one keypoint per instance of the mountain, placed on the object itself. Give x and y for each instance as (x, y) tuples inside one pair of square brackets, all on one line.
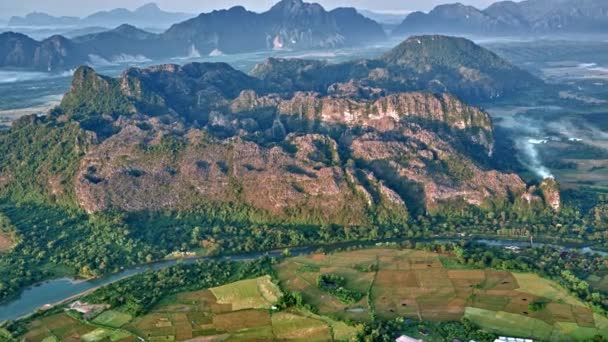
[(290, 24), (149, 15), (511, 18), (383, 18), (53, 53), (123, 42), (184, 138), (430, 63), (42, 19), (294, 140)]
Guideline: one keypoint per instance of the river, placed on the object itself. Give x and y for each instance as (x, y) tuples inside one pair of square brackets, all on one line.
[(59, 290)]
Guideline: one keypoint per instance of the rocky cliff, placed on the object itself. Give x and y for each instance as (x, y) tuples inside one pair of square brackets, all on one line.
[(206, 134)]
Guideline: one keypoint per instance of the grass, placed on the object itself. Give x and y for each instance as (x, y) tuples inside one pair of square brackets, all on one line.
[(453, 264), (504, 322), (111, 318), (535, 285), (259, 293), (102, 334), (290, 326)]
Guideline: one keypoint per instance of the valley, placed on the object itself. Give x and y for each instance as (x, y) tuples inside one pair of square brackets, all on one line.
[(304, 172), (391, 283)]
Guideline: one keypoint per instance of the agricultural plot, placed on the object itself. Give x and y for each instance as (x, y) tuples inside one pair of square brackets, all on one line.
[(63, 327), (428, 286), (111, 318), (240, 311), (256, 293)]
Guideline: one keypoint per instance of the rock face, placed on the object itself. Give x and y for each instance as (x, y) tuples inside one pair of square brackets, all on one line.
[(382, 114), (331, 158), (510, 18), (550, 192)]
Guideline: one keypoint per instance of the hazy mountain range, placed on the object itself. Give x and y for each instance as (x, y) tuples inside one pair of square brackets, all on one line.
[(290, 24), (511, 18), (149, 15)]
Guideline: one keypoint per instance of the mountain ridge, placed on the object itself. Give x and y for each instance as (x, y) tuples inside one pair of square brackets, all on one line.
[(290, 24), (147, 15), (510, 18), (149, 107), (210, 135)]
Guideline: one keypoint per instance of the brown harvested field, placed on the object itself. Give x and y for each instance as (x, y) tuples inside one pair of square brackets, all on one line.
[(433, 278), (199, 319), (584, 316), (489, 302), (561, 312), (36, 334), (154, 324), (499, 280), (401, 278), (243, 319), (469, 275), (66, 327), (183, 328)]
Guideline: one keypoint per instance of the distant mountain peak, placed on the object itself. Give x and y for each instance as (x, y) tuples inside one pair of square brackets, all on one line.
[(295, 7), (510, 18), (149, 7)]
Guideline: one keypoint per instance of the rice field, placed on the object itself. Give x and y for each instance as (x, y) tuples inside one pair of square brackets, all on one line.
[(240, 311), (412, 284), (427, 286), (63, 327), (111, 318)]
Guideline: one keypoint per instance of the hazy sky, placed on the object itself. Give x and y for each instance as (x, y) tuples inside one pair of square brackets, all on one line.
[(83, 7)]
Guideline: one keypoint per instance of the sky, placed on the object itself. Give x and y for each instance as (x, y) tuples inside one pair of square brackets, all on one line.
[(84, 7)]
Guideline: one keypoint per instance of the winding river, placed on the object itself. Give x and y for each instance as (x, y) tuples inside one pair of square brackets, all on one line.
[(62, 289)]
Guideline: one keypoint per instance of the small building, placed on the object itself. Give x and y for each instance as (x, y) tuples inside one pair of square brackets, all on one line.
[(404, 338)]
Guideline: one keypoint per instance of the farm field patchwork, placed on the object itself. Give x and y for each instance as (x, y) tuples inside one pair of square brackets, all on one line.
[(239, 311), (428, 286), (389, 283), (64, 327)]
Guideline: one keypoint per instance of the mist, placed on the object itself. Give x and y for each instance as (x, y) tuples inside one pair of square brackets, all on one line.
[(82, 8), (531, 136)]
